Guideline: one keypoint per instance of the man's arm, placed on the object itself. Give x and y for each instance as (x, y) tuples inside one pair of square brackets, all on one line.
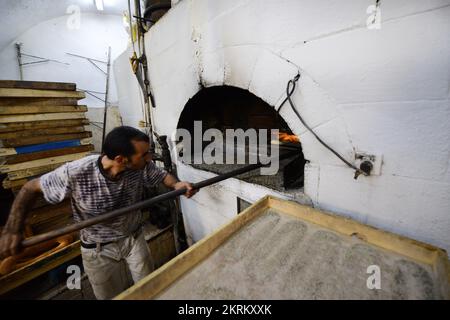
[(12, 232), (171, 182)]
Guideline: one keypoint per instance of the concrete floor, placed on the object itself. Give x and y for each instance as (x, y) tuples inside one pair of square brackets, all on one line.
[(280, 257), (63, 293)]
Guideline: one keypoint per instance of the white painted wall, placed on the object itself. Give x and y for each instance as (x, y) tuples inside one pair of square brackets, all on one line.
[(20, 15), (382, 91), (96, 116), (52, 39)]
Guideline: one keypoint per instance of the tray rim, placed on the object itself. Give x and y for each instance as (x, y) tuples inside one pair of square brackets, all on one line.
[(157, 281)]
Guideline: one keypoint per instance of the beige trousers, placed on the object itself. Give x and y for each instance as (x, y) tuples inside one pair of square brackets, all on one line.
[(114, 267)]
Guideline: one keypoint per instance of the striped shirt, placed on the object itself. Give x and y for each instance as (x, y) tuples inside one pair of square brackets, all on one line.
[(92, 193)]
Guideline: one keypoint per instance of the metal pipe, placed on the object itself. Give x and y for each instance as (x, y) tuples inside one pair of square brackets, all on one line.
[(77, 55), (142, 204), (105, 111), (19, 59)]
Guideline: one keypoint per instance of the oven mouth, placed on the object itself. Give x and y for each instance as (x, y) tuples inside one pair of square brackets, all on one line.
[(289, 176), (227, 108)]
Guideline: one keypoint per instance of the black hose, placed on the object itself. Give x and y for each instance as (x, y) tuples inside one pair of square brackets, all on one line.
[(290, 88)]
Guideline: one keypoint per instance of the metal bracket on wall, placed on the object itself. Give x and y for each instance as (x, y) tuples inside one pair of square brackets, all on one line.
[(91, 61), (93, 93), (38, 59)]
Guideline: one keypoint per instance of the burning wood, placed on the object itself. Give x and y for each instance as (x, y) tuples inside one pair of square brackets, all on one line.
[(286, 137)]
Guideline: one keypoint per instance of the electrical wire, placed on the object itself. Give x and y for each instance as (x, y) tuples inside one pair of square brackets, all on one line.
[(290, 88)]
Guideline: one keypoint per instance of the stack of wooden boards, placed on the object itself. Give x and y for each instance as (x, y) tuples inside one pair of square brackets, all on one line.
[(41, 128)]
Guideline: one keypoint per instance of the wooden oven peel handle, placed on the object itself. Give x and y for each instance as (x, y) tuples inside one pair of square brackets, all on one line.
[(146, 203)]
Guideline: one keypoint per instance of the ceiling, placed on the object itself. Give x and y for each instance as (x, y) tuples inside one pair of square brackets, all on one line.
[(17, 16)]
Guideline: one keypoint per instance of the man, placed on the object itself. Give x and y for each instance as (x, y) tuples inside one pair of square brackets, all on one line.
[(95, 185)]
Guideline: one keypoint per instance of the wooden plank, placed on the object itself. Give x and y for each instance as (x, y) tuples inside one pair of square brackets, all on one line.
[(7, 152), (38, 85), (413, 249), (27, 273), (18, 184), (41, 117), (41, 109), (44, 147), (19, 126), (6, 168), (49, 221), (162, 246), (47, 154), (45, 221), (23, 93), (8, 184), (44, 213), (158, 280), (12, 143), (442, 267), (41, 132), (52, 224), (38, 101), (16, 175)]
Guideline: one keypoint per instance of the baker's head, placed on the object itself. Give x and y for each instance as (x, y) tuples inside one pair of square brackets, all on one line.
[(128, 146)]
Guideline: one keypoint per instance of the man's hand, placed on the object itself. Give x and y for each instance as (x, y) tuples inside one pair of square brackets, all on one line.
[(183, 184), (171, 182), (10, 243), (11, 237)]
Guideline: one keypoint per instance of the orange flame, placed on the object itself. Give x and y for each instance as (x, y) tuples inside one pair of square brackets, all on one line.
[(286, 137)]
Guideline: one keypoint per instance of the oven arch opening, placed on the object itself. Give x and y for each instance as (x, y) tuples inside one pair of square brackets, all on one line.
[(226, 107)]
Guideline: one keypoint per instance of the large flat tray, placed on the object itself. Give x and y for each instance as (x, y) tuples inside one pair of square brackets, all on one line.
[(277, 249)]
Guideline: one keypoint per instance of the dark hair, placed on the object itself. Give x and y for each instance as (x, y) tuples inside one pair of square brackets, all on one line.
[(118, 141)]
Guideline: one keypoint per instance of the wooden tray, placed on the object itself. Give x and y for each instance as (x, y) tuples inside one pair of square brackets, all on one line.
[(277, 249), (20, 276)]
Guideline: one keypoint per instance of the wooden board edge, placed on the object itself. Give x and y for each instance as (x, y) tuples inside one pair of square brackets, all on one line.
[(41, 85), (162, 278), (25, 134), (15, 159), (30, 172), (4, 152), (5, 119), (36, 125), (23, 109), (38, 93), (410, 248), (22, 166), (42, 139), (9, 184), (21, 276), (7, 152), (86, 141), (442, 270)]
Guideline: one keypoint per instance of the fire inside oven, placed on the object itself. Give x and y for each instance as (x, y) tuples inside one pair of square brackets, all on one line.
[(228, 107)]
